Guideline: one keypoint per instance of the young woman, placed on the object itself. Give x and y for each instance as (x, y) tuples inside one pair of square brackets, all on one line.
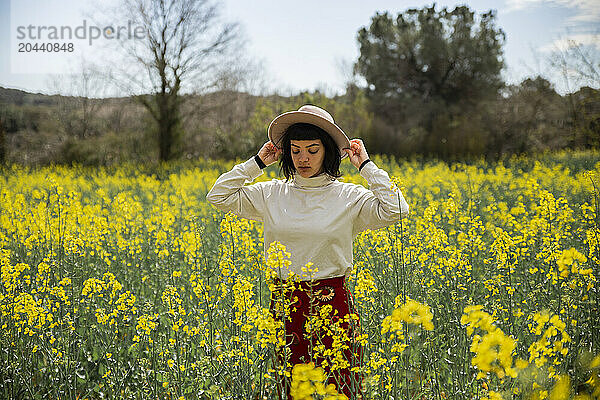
[(317, 218)]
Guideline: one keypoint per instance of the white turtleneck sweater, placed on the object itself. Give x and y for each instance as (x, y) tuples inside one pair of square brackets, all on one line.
[(315, 218)]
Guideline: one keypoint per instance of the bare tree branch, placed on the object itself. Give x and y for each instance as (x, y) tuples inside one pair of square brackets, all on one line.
[(182, 43)]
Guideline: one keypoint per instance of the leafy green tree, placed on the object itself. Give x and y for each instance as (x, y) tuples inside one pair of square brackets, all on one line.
[(528, 117), (349, 111), (585, 117), (427, 71)]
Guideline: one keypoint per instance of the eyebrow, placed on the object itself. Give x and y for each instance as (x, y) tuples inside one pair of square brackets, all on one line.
[(310, 145)]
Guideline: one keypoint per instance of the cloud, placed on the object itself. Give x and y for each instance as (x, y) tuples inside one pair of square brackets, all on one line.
[(586, 39), (586, 10)]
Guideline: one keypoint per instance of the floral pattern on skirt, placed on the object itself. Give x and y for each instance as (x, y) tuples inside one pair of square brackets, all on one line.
[(321, 326)]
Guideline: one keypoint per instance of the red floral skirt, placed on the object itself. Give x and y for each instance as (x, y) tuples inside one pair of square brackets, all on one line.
[(321, 326)]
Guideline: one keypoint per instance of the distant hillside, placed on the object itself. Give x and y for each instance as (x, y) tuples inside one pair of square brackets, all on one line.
[(44, 129), (525, 118), (20, 97)]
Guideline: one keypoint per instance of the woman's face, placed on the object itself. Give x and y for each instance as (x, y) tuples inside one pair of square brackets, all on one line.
[(308, 156)]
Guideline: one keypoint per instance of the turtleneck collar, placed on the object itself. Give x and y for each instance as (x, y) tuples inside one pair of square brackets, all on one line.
[(315, 181)]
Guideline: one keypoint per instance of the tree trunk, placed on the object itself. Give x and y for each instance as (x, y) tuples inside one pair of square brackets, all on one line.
[(165, 135), (168, 117)]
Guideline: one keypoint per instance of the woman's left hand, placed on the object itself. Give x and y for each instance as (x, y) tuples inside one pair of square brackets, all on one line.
[(357, 153)]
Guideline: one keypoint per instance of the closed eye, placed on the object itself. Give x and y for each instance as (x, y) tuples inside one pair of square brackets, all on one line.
[(310, 151)]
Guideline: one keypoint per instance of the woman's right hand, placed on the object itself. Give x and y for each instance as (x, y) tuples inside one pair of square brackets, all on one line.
[(269, 153)]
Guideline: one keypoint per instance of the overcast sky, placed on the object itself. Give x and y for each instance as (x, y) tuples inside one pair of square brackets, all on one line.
[(306, 45)]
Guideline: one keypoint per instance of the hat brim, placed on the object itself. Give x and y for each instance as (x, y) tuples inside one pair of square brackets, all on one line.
[(279, 125)]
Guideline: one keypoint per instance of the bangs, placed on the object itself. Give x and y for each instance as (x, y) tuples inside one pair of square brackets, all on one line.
[(303, 131)]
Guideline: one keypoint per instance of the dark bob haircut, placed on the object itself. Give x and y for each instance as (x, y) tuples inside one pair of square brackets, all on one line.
[(302, 131)]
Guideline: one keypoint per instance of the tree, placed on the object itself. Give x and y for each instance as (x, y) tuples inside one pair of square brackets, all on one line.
[(176, 54), (585, 117), (79, 102), (528, 117), (579, 66), (426, 70)]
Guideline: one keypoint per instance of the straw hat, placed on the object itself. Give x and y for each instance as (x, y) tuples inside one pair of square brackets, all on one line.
[(308, 114)]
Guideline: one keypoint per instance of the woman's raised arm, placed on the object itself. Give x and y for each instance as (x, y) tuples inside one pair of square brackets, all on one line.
[(383, 204), (230, 194)]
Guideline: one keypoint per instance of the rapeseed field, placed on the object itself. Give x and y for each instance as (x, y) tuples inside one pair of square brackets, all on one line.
[(124, 282)]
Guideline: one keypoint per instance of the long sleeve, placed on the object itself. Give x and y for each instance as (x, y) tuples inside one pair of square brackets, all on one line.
[(381, 205), (230, 194)]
